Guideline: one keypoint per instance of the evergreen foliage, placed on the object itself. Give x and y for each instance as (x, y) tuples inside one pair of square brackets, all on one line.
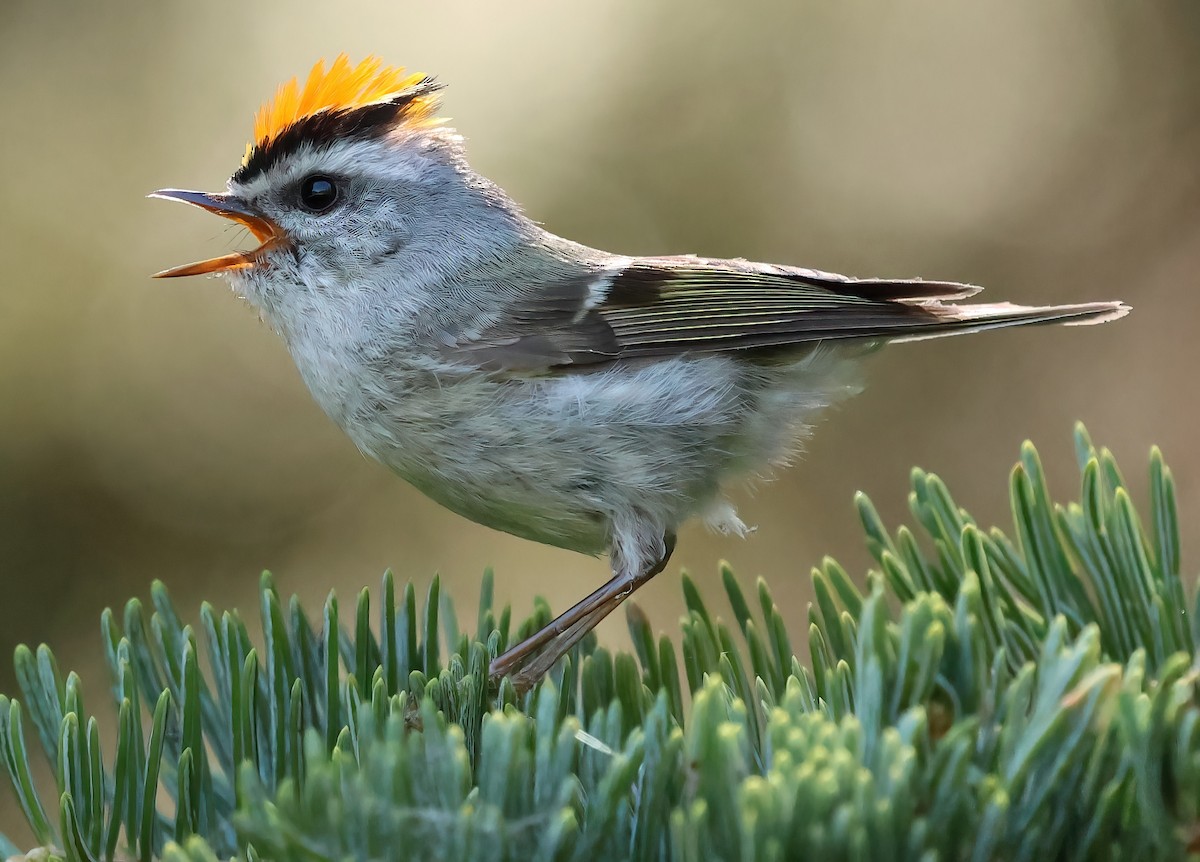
[(996, 697)]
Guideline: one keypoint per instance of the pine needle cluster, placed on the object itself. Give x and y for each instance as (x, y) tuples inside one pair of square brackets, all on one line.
[(985, 696)]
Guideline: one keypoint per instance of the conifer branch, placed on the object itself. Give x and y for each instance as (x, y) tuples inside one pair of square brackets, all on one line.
[(1022, 697)]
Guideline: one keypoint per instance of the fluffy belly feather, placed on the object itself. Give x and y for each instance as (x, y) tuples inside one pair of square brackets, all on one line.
[(562, 459)]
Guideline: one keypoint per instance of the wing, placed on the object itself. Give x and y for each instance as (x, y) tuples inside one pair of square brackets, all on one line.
[(655, 307)]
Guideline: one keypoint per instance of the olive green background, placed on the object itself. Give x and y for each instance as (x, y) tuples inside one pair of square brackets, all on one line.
[(158, 429)]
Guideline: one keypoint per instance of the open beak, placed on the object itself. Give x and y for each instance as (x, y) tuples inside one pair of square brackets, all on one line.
[(265, 231)]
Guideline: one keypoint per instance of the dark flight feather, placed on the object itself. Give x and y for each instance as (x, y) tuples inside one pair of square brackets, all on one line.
[(659, 307)]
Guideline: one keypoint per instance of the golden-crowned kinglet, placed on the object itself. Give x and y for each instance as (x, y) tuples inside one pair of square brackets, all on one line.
[(583, 399)]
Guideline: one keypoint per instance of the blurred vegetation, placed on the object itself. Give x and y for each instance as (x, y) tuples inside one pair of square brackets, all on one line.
[(1032, 697), (1046, 151)]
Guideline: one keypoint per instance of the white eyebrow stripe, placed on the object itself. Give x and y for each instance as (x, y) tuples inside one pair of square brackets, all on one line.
[(391, 158)]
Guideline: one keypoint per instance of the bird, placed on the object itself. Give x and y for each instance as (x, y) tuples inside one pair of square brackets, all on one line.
[(579, 398)]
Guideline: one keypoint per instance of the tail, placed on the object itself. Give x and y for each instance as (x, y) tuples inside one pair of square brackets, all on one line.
[(963, 319)]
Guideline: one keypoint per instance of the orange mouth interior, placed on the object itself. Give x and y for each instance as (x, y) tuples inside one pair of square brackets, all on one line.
[(268, 234)]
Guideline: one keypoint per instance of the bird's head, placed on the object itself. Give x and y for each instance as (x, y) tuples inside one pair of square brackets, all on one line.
[(350, 178)]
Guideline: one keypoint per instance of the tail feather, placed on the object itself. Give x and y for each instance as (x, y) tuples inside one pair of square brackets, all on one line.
[(964, 319)]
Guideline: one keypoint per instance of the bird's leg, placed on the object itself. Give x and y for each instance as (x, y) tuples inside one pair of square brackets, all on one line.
[(525, 676), (517, 655), (526, 665)]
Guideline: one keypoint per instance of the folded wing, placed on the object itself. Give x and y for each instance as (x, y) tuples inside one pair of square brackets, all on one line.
[(656, 307)]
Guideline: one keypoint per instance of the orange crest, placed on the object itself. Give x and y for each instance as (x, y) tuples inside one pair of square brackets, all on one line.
[(343, 87)]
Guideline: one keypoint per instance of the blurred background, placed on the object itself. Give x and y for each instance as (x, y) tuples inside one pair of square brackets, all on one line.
[(159, 430)]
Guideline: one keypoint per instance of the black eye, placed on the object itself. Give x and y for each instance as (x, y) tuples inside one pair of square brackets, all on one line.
[(318, 193)]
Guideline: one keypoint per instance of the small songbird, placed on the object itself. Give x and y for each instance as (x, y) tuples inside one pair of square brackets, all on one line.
[(583, 399)]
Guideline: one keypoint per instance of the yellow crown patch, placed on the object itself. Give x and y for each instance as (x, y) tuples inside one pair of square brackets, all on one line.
[(342, 88)]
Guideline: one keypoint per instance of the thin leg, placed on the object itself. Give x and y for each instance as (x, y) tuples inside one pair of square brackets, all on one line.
[(526, 665), (538, 665), (517, 655)]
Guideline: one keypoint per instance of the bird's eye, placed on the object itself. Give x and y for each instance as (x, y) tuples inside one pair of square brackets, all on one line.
[(318, 193)]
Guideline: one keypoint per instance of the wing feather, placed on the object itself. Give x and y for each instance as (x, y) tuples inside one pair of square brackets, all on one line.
[(654, 307)]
